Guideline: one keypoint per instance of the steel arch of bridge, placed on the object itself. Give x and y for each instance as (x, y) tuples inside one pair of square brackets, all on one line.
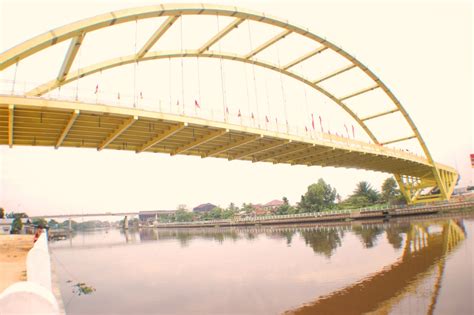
[(411, 185)]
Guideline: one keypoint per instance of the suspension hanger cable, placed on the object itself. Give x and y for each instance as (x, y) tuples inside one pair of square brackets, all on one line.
[(159, 88), (14, 78), (135, 68), (247, 89), (267, 119), (254, 78), (199, 83), (182, 62), (305, 98), (266, 93), (78, 74), (224, 105), (169, 82), (97, 88), (282, 89)]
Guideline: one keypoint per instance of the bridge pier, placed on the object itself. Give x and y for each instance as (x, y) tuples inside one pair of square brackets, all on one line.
[(125, 223)]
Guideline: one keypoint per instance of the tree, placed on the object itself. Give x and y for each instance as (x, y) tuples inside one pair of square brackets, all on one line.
[(323, 242), (285, 208), (2, 213), (182, 207), (40, 222), (20, 215), (17, 225), (364, 189), (368, 235), (74, 224), (390, 192), (355, 202), (247, 207), (232, 207), (319, 196), (183, 216)]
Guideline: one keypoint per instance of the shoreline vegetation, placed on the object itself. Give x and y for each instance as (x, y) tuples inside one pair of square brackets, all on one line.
[(320, 199)]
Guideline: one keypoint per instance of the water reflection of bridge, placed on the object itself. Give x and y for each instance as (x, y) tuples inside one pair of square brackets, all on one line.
[(425, 251)]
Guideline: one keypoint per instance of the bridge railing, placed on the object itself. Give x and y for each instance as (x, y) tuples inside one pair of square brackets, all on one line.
[(325, 214), (20, 88)]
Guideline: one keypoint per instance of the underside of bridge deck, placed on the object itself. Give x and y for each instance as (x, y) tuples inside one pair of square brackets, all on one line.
[(39, 122)]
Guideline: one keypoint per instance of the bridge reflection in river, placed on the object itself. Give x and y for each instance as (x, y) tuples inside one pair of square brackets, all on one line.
[(416, 266)]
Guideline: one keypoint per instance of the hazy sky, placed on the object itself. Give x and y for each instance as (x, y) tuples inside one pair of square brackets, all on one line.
[(421, 49)]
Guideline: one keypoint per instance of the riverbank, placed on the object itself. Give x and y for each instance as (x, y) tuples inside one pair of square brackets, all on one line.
[(330, 216), (13, 252)]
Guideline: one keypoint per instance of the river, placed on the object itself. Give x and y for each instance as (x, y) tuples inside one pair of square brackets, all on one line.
[(406, 266)]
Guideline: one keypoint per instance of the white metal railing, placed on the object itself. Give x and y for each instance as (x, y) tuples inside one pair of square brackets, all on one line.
[(327, 213)]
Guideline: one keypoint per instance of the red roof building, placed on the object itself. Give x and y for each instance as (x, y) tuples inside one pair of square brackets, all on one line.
[(273, 205), (260, 210)]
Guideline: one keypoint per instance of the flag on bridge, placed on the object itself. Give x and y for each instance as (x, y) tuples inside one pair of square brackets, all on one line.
[(196, 104), (96, 89), (266, 119), (312, 120), (239, 114), (353, 132), (321, 123), (253, 117), (347, 130)]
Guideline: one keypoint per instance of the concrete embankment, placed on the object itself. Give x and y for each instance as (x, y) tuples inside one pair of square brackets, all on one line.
[(329, 216), (33, 296)]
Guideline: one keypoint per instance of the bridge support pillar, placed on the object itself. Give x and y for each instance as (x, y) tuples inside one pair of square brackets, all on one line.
[(125, 223), (412, 187)]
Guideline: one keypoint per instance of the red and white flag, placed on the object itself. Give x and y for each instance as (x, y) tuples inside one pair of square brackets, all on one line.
[(306, 128), (353, 132), (312, 120), (96, 89), (321, 123), (196, 104)]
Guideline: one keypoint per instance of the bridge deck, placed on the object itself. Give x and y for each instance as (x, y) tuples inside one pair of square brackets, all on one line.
[(45, 122)]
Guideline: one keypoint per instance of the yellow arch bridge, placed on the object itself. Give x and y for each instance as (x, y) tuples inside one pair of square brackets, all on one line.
[(33, 119)]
